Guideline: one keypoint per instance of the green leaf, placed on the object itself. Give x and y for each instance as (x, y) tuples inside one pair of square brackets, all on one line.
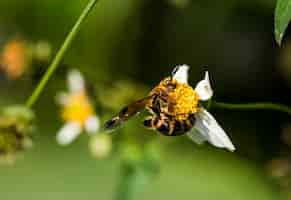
[(282, 18)]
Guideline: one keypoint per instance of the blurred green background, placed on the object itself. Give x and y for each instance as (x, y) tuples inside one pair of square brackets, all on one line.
[(140, 42)]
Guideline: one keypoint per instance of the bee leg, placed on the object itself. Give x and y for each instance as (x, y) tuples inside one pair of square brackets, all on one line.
[(149, 122), (192, 119), (171, 128)]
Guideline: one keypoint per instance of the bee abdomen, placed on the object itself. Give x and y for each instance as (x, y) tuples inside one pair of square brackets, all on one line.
[(154, 122), (164, 128), (170, 127), (181, 127)]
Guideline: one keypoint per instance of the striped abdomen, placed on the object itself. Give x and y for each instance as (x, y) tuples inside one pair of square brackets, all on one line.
[(170, 127)]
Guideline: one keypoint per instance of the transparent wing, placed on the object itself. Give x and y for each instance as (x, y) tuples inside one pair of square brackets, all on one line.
[(126, 113), (206, 128)]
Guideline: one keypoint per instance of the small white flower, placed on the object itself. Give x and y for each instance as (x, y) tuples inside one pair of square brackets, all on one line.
[(206, 127), (78, 112), (100, 145)]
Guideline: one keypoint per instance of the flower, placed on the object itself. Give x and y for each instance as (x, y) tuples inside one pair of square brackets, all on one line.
[(100, 146), (206, 127), (42, 50), (16, 128), (175, 109), (15, 58), (78, 112)]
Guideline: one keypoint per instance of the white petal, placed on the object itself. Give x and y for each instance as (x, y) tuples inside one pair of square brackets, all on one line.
[(180, 73), (203, 88), (75, 81), (195, 136), (62, 98), (68, 133), (92, 125), (209, 130)]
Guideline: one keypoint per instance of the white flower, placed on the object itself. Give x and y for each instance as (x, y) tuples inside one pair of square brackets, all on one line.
[(206, 127), (78, 112), (68, 133)]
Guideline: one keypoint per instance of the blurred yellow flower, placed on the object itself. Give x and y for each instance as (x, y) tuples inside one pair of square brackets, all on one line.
[(77, 108), (78, 112)]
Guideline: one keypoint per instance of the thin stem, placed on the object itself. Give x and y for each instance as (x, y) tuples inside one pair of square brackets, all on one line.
[(252, 106), (209, 103), (127, 183), (60, 54)]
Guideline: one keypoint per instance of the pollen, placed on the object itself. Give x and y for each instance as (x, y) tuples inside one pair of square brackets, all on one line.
[(186, 100), (78, 108), (182, 99)]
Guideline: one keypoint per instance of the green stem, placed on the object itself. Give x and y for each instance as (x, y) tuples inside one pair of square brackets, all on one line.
[(252, 106), (127, 183), (60, 54)]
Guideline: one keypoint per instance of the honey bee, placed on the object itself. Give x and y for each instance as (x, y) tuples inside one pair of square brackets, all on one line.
[(174, 110)]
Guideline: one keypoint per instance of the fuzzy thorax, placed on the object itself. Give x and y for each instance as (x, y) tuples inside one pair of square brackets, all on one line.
[(77, 108)]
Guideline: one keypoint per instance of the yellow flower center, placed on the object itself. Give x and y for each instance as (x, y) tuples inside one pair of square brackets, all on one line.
[(182, 99), (186, 99), (77, 108)]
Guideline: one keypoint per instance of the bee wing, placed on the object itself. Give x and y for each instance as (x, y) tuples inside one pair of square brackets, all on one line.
[(126, 113), (206, 128)]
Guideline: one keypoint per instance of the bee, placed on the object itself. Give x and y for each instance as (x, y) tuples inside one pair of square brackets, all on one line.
[(174, 110)]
